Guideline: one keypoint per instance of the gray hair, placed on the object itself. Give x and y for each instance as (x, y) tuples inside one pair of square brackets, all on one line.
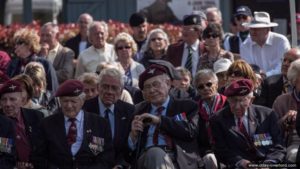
[(205, 72), (81, 97), (151, 33), (97, 24), (294, 72), (214, 9), (53, 26), (90, 18), (113, 72)]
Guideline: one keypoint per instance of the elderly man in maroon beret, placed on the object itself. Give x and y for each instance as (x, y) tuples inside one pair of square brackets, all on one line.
[(164, 129), (25, 122), (246, 134), (72, 138)]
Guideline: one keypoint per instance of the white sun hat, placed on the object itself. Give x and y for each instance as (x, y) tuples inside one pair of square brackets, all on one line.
[(260, 20)]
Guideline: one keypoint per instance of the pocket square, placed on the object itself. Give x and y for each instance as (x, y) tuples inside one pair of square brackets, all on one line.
[(123, 118)]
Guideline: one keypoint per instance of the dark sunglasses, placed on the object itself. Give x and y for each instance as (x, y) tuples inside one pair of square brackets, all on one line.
[(202, 86), (20, 42), (154, 39), (211, 35), (239, 17), (123, 47), (237, 74)]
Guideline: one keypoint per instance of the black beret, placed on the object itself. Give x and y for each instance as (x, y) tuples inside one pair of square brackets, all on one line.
[(70, 88), (192, 20), (136, 19)]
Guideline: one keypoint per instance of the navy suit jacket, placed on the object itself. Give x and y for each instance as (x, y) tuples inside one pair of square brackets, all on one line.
[(53, 151), (73, 44), (271, 88), (231, 145), (123, 112)]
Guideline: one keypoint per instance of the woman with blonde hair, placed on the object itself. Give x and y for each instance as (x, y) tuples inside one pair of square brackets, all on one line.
[(126, 49)]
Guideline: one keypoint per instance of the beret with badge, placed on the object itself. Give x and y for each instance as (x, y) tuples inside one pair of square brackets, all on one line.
[(193, 19), (10, 86), (70, 88), (239, 88)]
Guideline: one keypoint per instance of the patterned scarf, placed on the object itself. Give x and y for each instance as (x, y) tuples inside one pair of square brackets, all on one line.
[(206, 112)]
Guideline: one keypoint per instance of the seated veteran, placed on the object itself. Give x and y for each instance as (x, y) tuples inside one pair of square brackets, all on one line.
[(163, 130), (73, 138), (245, 133), (118, 113), (25, 122), (7, 143)]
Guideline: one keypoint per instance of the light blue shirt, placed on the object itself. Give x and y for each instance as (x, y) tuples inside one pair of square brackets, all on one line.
[(111, 115), (79, 124), (161, 139)]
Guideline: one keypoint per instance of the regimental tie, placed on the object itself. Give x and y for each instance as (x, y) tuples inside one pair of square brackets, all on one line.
[(242, 129), (189, 60), (106, 115), (72, 133), (167, 138)]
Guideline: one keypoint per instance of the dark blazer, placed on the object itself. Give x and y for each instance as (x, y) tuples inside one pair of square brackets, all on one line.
[(73, 44), (53, 151), (271, 88), (123, 112), (231, 146), (298, 132), (63, 63), (175, 53), (183, 133), (14, 68), (7, 160)]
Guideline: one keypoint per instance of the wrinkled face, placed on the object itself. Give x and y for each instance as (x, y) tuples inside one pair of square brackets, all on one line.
[(184, 83), (22, 49), (207, 87), (239, 104), (213, 17), (259, 35), (71, 105), (90, 90), (124, 50), (98, 36), (157, 42), (110, 90), (11, 103), (239, 20), (190, 34), (140, 32), (156, 89), (48, 36), (287, 60)]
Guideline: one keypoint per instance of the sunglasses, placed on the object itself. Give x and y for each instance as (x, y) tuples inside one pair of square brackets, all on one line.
[(202, 86), (239, 17), (237, 74), (20, 42), (123, 47), (211, 35), (156, 39)]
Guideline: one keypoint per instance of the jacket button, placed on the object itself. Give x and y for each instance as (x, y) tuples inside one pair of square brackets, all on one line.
[(183, 151)]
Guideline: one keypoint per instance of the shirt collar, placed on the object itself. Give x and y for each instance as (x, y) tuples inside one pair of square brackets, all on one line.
[(55, 49), (79, 116), (103, 108), (268, 41), (194, 46), (165, 104)]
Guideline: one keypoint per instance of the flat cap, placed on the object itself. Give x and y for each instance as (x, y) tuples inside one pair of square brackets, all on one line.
[(10, 86), (193, 19), (70, 88), (239, 88), (136, 19)]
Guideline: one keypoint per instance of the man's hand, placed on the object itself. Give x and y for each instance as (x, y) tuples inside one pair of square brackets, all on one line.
[(136, 127), (244, 163)]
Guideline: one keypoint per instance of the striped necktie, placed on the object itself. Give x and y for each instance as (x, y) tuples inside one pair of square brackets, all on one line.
[(188, 63), (72, 133)]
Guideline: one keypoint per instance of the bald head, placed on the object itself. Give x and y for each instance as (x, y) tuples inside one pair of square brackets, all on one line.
[(84, 21), (290, 56)]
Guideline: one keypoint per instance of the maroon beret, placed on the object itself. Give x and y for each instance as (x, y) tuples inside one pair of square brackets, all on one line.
[(3, 77), (10, 86), (151, 71), (239, 88), (70, 87)]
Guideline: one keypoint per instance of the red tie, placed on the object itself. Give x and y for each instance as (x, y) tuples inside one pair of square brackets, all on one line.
[(242, 128), (72, 134), (155, 134)]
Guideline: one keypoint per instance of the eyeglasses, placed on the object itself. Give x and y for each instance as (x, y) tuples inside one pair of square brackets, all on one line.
[(211, 35), (106, 87), (202, 86), (123, 47), (239, 17), (155, 84), (20, 42), (154, 39)]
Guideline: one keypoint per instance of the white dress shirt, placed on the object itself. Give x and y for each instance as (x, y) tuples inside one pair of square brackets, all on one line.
[(195, 56), (269, 56)]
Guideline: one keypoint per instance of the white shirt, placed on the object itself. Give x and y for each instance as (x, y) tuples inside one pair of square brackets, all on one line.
[(195, 56), (52, 54), (227, 44), (269, 56), (91, 57)]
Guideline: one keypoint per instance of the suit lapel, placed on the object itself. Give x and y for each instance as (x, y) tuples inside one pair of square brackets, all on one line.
[(58, 56), (86, 133), (61, 132), (252, 121), (170, 109)]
